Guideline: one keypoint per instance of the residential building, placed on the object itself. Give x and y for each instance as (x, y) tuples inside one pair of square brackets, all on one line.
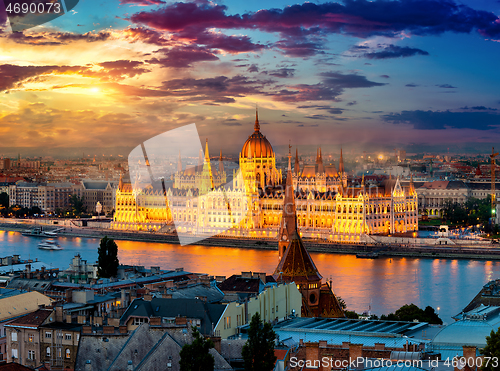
[(23, 338), (47, 196)]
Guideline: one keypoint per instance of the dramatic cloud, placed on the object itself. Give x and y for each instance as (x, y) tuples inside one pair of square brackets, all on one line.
[(437, 120), (446, 86), (253, 68), (12, 76), (332, 110), (183, 57), (361, 18), (283, 72), (57, 38), (331, 86), (142, 2), (220, 89), (393, 51), (480, 108)]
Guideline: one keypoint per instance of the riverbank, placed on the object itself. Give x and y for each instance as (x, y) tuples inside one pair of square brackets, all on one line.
[(486, 252)]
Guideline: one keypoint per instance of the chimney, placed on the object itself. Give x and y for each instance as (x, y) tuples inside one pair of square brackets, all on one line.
[(262, 277), (123, 329), (246, 274), (59, 313), (355, 351), (312, 353), (217, 343)]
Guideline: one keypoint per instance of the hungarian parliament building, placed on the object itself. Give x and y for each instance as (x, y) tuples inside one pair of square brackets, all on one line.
[(199, 200)]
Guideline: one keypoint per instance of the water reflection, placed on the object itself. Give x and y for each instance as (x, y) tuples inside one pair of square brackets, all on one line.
[(383, 284)]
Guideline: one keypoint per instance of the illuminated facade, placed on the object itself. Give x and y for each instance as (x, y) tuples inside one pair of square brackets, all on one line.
[(201, 201)]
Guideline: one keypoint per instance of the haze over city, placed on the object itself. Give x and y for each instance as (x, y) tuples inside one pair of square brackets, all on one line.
[(110, 74)]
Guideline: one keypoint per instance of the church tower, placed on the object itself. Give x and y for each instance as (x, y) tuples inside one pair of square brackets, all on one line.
[(207, 181), (296, 265), (289, 217)]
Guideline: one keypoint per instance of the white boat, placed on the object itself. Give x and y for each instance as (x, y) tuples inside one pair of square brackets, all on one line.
[(49, 245), (39, 232)]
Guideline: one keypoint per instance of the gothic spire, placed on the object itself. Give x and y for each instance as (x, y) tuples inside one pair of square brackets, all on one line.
[(297, 165), (179, 163), (221, 164), (341, 162), (257, 125)]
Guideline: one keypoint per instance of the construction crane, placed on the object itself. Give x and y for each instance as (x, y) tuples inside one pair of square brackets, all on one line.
[(493, 195)]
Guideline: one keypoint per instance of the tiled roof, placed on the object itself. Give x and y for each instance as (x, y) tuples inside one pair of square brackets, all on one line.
[(236, 283), (34, 319)]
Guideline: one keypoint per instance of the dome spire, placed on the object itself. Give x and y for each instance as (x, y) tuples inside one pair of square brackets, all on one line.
[(257, 125)]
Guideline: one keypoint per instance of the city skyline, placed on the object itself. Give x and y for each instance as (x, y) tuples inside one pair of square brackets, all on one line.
[(419, 75)]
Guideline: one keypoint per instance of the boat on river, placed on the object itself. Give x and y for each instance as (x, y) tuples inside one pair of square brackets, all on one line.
[(49, 245), (39, 232)]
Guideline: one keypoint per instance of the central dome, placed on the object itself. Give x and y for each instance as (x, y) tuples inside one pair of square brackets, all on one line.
[(257, 144)]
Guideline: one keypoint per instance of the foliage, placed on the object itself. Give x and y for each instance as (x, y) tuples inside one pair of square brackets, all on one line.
[(473, 211), (258, 351), (342, 303), (492, 349), (108, 258), (77, 205), (4, 199), (412, 312), (196, 356), (351, 314)]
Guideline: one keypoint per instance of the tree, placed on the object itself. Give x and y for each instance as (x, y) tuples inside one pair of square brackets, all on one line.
[(258, 351), (196, 356), (410, 312), (77, 204), (4, 199), (108, 258), (492, 349)]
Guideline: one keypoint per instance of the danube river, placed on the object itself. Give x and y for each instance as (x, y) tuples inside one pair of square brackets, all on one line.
[(382, 284)]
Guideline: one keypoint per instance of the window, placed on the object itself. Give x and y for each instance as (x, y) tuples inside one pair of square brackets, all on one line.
[(31, 355), (59, 353), (14, 353), (68, 353), (14, 336), (31, 338), (47, 351), (48, 335), (138, 321), (67, 337)]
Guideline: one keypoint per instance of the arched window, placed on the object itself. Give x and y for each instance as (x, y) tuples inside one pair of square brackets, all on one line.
[(68, 353), (47, 351)]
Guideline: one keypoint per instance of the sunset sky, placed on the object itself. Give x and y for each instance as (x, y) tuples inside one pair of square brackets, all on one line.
[(413, 74)]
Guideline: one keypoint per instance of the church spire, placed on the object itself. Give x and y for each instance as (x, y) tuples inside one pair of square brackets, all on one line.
[(179, 163), (321, 168), (289, 218), (257, 125), (221, 164), (297, 165), (207, 156), (341, 162)]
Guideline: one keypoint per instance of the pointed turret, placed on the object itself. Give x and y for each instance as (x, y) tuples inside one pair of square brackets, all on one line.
[(221, 163), (297, 165), (179, 163), (321, 168), (207, 180), (295, 262), (289, 218), (257, 125), (200, 158), (120, 183), (341, 162)]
